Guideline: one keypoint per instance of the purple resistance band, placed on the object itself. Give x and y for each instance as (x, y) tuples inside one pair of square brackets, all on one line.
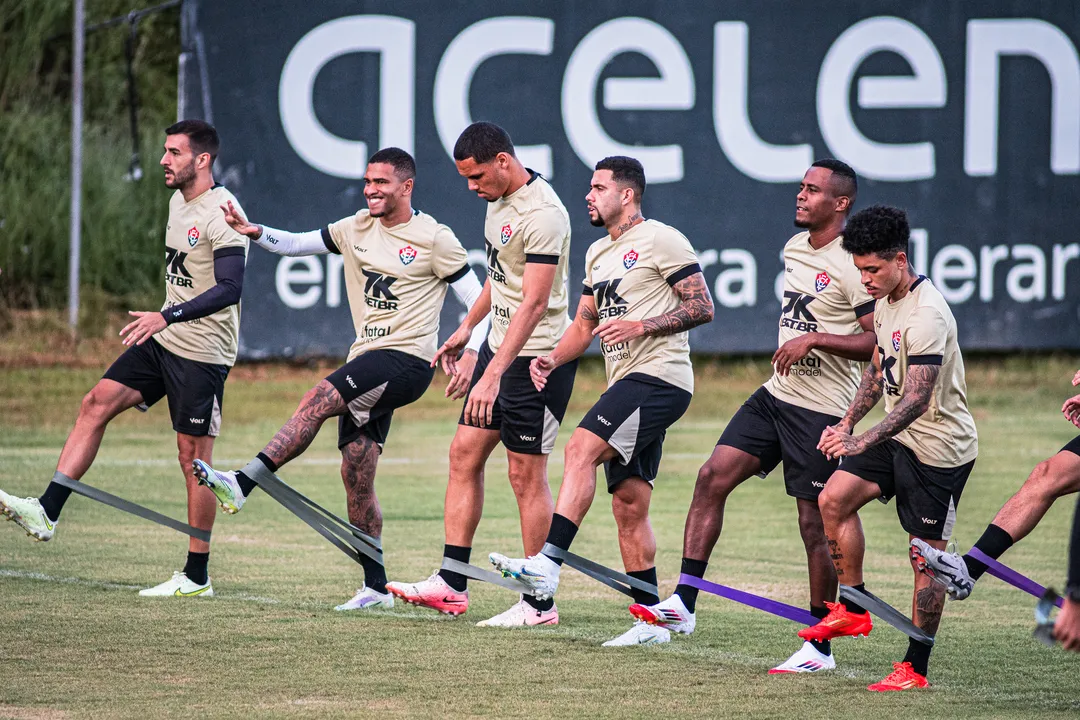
[(1003, 572), (788, 612)]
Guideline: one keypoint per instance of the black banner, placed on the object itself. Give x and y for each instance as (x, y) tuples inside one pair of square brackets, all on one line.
[(965, 114)]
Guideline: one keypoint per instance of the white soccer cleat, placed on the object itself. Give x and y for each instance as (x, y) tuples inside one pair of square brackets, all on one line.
[(432, 593), (642, 633), (521, 614), (367, 599), (539, 572), (179, 586), (27, 514), (671, 614), (945, 568), (806, 660), (222, 484)]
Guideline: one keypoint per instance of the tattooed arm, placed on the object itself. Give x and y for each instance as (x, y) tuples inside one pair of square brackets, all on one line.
[(867, 396), (695, 308)]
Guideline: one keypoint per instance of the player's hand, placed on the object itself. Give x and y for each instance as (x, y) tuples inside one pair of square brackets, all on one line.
[(539, 369), (617, 331), (451, 349), (481, 400), (239, 223), (792, 352), (146, 324), (1076, 378), (1067, 626), (840, 427), (462, 375), (1071, 410), (835, 442)]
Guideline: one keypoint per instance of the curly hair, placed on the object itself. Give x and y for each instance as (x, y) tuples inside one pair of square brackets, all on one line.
[(879, 229)]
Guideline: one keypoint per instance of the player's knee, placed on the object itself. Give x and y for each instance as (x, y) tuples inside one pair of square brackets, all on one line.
[(1047, 483), (317, 401), (526, 478), (94, 406), (831, 505), (712, 481), (629, 509), (811, 527), (465, 457)]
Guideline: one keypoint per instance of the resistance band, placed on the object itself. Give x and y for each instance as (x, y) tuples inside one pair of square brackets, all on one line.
[(886, 612), (614, 579), (774, 607), (1006, 573)]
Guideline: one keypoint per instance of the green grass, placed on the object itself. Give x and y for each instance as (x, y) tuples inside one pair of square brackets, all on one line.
[(78, 642)]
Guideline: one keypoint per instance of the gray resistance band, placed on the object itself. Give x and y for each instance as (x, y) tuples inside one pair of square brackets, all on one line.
[(475, 573), (612, 578), (127, 506), (887, 613)]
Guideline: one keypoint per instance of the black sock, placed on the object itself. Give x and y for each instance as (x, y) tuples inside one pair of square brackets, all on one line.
[(561, 534), (853, 606), (541, 605), (374, 574), (53, 499), (918, 654), (270, 464), (822, 646), (246, 484), (456, 580), (644, 597), (195, 568), (994, 542), (688, 593)]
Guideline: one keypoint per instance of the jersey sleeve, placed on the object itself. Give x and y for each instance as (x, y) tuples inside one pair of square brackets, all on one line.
[(449, 259), (674, 256), (926, 336), (336, 235), (222, 236), (587, 285), (860, 300), (545, 232)]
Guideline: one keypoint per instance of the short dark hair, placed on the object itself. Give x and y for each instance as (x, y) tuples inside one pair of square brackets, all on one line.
[(846, 182), (482, 141), (879, 229), (201, 134), (402, 162), (625, 171)]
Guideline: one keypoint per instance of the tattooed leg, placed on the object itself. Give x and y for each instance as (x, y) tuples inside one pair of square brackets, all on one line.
[(840, 501), (929, 597), (358, 461), (320, 403)]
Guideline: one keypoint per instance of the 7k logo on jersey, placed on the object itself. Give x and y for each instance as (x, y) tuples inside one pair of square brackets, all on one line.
[(377, 291), (608, 301), (494, 268), (176, 273), (796, 313)]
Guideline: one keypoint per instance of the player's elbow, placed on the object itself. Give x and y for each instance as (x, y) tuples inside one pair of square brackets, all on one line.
[(708, 312)]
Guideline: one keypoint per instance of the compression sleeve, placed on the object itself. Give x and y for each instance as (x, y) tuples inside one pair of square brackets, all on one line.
[(467, 289), (283, 242), (229, 275)]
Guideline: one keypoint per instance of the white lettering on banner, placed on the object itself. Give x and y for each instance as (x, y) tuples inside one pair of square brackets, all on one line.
[(473, 45), (299, 271), (987, 41), (924, 89), (394, 39)]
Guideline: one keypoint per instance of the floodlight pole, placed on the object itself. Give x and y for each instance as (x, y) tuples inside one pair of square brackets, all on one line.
[(77, 63)]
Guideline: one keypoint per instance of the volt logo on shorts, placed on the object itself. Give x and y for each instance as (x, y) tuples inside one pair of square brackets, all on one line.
[(608, 300), (604, 420), (352, 383), (527, 438), (796, 313), (377, 291), (494, 267), (928, 521), (196, 421), (176, 273)]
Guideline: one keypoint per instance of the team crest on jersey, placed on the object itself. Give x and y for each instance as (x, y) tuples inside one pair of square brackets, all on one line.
[(821, 281), (407, 254), (629, 260), (896, 341), (193, 236), (505, 233)]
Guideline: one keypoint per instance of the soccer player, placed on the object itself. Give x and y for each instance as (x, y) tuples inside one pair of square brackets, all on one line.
[(826, 325), (527, 232), (1067, 626), (1050, 480), (398, 264), (643, 292), (922, 452), (183, 353)]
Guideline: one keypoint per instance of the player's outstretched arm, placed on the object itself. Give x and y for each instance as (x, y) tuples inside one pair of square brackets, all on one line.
[(279, 242), (574, 342), (859, 346)]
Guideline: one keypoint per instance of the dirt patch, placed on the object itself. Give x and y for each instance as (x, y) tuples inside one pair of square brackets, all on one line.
[(14, 712)]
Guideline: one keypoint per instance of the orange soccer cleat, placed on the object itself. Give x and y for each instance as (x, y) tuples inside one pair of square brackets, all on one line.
[(840, 622), (901, 678)]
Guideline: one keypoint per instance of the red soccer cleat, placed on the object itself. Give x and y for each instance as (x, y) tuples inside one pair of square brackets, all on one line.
[(432, 593), (901, 678), (840, 622)]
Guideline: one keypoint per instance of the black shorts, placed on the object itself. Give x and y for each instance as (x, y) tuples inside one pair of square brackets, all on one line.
[(194, 389), (373, 384), (527, 420), (633, 416), (1073, 446), (926, 496), (773, 431)]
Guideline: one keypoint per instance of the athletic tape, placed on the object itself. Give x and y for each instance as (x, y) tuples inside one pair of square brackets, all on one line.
[(886, 612), (612, 578), (1006, 573), (774, 607), (488, 576), (129, 507)]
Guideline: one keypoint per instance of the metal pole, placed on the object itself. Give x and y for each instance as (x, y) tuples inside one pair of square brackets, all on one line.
[(77, 62)]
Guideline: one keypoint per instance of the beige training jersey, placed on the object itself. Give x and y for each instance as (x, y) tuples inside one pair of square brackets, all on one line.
[(632, 278), (531, 225), (921, 330), (195, 231), (396, 279), (823, 293)]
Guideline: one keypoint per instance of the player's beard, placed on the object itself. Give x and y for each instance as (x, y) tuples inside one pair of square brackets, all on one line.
[(599, 221), (183, 177), (803, 224)]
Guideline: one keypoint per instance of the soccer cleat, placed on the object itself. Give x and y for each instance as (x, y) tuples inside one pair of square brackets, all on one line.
[(840, 622), (179, 586), (27, 514), (642, 633), (521, 614), (945, 568), (539, 572), (432, 593), (671, 614), (901, 678), (367, 599), (806, 659), (222, 484)]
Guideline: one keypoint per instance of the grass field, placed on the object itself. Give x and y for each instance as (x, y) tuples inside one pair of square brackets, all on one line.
[(78, 642)]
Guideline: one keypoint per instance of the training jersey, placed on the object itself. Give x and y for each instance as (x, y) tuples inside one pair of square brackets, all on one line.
[(396, 279), (530, 225), (920, 330), (823, 292), (196, 231), (632, 279)]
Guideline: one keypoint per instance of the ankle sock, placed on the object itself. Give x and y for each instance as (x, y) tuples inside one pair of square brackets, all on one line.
[(689, 593), (457, 581)]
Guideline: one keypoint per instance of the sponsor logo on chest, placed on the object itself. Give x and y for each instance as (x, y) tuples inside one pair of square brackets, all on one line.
[(193, 236), (505, 233), (821, 281), (407, 254)]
